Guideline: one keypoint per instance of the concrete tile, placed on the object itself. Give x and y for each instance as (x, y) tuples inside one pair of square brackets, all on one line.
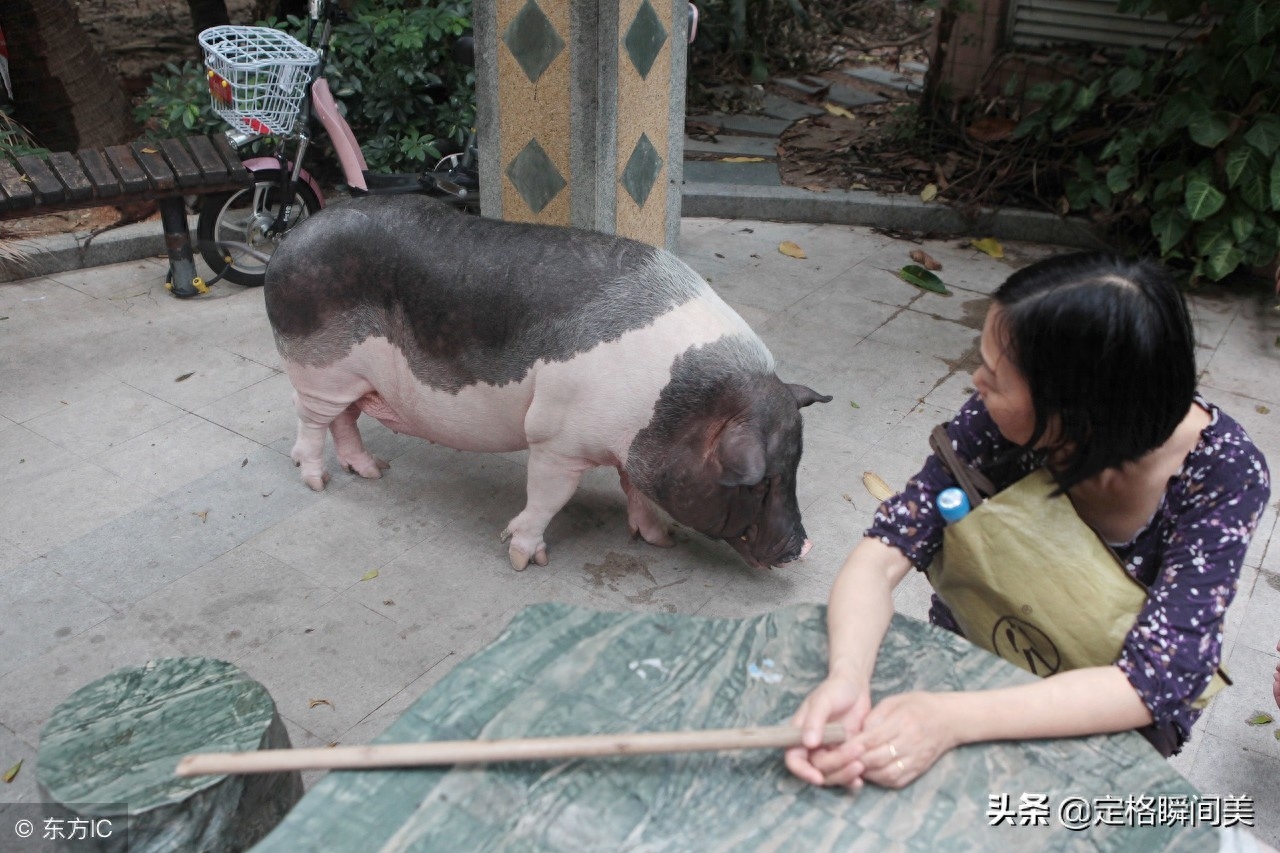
[(45, 381), (11, 556), (1262, 535), (733, 146), (776, 106), (38, 610), (750, 125), (834, 526), (1236, 611), (758, 592), (62, 506), (717, 172), (828, 455), (837, 308), (104, 420), (30, 693), (230, 606), (946, 341), (300, 738), (1247, 360), (1259, 628), (262, 412), (337, 540), (175, 453), (886, 77), (1251, 674), (22, 788), (913, 596), (167, 539), (1223, 768), (42, 313), (1212, 311), (346, 654), (26, 456), (135, 287), (849, 97)]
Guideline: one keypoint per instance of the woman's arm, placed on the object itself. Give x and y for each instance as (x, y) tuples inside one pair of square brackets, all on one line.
[(905, 734), (858, 614)]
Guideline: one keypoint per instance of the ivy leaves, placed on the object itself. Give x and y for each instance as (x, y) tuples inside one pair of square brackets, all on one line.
[(1192, 139)]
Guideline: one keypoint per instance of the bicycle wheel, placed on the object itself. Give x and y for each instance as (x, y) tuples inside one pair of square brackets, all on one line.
[(232, 231)]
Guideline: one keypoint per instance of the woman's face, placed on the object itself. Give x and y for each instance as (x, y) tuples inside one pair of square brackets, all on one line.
[(1001, 384)]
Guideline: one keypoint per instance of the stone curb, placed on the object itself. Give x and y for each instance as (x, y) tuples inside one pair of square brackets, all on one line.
[(61, 252), (862, 207)]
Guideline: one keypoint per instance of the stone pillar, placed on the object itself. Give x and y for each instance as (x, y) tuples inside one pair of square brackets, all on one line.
[(581, 113)]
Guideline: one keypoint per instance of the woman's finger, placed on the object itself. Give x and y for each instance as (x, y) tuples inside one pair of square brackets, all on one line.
[(797, 761)]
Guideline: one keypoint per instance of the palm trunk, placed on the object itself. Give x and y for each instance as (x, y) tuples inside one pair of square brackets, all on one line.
[(63, 90), (208, 13)]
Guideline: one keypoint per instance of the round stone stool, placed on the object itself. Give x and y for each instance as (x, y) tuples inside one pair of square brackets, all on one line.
[(107, 758)]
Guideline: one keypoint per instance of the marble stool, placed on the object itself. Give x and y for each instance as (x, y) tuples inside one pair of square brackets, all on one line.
[(107, 757)]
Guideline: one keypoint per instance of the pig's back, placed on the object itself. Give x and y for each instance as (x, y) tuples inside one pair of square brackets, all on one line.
[(465, 299)]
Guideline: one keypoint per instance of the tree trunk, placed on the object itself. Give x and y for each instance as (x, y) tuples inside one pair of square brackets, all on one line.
[(208, 13), (63, 90)]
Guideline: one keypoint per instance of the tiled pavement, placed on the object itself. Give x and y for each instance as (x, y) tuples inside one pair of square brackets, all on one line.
[(148, 506)]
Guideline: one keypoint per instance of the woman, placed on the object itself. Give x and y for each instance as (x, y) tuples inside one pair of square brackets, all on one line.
[(1088, 369)]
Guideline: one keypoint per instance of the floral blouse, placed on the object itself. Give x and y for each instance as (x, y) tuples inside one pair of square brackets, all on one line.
[(1188, 555)]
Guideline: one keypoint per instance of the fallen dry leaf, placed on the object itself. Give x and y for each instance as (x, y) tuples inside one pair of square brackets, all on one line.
[(876, 486), (920, 256), (741, 159), (991, 129), (184, 377), (846, 496), (929, 193), (203, 516), (369, 575), (311, 703), (988, 245), (1263, 410), (1260, 718), (11, 773), (148, 150), (791, 250), (837, 110)]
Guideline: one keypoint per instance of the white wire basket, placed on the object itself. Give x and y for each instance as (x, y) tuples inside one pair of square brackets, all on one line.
[(258, 76)]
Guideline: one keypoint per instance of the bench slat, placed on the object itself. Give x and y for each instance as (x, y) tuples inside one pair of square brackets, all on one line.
[(235, 169), (47, 186), (132, 176), (19, 194), (207, 159), (106, 184), (152, 161), (184, 169), (68, 169)]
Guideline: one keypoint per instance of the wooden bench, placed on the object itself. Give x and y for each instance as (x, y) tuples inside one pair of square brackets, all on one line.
[(163, 171)]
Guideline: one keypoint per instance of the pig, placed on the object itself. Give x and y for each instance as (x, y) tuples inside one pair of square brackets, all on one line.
[(586, 349)]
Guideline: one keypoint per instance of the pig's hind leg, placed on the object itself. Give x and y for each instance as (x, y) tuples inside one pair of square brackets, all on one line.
[(350, 449)]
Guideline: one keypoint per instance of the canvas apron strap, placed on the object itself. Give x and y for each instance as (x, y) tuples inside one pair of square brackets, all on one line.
[(1027, 579)]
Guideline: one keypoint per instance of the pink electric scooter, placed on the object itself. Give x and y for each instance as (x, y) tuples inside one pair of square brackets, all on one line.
[(267, 84)]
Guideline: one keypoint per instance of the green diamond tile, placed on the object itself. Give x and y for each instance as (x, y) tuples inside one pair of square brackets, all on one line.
[(533, 41), (642, 170), (645, 38), (535, 177)]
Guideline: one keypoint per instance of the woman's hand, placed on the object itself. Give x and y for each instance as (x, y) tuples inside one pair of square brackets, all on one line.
[(836, 700), (902, 737)]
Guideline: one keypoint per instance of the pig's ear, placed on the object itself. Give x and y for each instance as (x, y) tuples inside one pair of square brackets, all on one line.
[(741, 454), (806, 396)]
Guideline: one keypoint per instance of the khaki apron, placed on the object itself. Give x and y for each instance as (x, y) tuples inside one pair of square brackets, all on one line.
[(1027, 579)]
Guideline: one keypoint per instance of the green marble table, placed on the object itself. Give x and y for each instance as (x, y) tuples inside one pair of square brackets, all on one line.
[(560, 670)]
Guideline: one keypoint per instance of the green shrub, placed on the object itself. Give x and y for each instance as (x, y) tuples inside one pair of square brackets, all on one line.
[(1179, 152), (177, 103), (16, 140)]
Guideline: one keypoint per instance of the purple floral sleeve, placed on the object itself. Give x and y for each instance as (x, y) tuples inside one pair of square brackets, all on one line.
[(1190, 557)]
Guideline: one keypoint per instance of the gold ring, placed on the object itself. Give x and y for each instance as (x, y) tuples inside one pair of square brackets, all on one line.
[(893, 753), (901, 768)]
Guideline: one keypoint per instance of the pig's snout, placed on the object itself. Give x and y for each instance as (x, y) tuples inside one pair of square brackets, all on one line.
[(804, 549)]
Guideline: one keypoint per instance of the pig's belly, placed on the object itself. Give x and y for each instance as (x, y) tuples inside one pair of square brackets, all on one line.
[(483, 418)]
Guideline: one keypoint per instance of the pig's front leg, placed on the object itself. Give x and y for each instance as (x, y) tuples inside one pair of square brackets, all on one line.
[(643, 517), (552, 481), (350, 449)]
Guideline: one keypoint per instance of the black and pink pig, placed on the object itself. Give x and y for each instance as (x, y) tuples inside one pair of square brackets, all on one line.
[(586, 349)]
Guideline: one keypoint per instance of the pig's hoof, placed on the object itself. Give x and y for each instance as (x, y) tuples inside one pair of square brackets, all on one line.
[(317, 482), (504, 536), (520, 558), (659, 536), (371, 467)]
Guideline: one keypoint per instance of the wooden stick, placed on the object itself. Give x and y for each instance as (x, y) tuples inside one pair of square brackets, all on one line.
[(486, 751)]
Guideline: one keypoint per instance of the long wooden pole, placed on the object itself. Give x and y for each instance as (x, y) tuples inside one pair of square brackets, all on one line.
[(487, 751)]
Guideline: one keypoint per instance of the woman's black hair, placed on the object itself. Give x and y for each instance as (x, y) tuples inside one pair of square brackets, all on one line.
[(1108, 350)]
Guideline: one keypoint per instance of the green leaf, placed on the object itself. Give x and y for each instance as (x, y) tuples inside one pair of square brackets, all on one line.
[(1244, 163), (1260, 718), (369, 575), (855, 405), (1182, 108), (1169, 226), (1041, 92), (1275, 184), (1243, 224), (1203, 199), (11, 773), (1256, 21), (1208, 129), (1086, 96), (921, 277), (1264, 134), (1120, 178), (1258, 59), (1125, 80)]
